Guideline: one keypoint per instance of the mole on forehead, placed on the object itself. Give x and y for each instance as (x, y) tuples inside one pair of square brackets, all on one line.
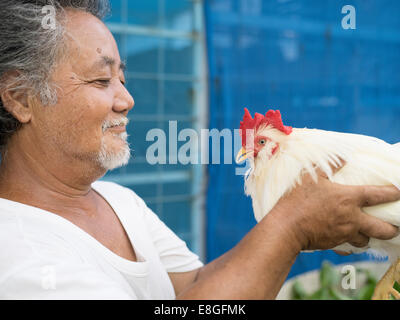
[(99, 50)]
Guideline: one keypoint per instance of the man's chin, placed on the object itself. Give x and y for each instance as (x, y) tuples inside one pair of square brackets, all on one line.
[(112, 159)]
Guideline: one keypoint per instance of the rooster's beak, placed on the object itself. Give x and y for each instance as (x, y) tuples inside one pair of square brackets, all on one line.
[(241, 156)]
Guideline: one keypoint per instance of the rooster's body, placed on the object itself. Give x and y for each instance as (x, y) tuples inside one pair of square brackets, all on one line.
[(281, 155)]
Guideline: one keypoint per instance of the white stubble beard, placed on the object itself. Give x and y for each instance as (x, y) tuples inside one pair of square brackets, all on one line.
[(110, 159)]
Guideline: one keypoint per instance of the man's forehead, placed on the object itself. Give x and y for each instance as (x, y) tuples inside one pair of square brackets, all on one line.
[(92, 42)]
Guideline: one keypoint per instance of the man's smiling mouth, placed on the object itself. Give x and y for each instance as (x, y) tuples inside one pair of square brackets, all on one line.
[(118, 125), (120, 128)]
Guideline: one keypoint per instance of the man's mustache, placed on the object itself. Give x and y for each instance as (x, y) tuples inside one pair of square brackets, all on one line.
[(123, 121)]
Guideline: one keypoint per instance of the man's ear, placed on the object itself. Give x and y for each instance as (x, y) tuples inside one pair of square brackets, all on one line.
[(17, 103)]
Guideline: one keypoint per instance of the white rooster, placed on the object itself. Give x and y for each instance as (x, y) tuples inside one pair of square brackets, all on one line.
[(279, 155)]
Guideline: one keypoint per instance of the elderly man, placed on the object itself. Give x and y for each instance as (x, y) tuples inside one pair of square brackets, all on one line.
[(65, 235)]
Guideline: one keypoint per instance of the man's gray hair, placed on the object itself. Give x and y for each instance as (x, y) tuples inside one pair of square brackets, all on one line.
[(29, 49)]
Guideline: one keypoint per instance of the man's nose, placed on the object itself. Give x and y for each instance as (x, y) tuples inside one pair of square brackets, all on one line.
[(123, 100)]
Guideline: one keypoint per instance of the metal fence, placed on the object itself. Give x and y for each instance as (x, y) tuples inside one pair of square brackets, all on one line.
[(162, 43)]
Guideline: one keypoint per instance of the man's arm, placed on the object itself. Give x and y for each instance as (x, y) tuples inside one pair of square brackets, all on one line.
[(259, 264), (255, 269), (312, 216)]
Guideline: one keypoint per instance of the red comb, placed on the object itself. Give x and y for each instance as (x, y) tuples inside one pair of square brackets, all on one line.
[(272, 117)]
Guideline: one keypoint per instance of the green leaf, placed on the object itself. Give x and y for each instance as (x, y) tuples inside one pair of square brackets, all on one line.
[(326, 294), (298, 292), (316, 295), (396, 286), (328, 276), (366, 292), (337, 295), (329, 286), (370, 278)]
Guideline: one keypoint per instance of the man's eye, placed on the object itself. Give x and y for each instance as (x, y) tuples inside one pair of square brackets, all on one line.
[(103, 82), (262, 141)]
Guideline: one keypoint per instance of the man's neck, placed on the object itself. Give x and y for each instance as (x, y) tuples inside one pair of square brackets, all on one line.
[(26, 178)]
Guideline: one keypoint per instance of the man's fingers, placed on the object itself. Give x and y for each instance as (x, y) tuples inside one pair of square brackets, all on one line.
[(376, 228), (340, 166), (359, 241), (374, 195), (342, 253), (333, 167)]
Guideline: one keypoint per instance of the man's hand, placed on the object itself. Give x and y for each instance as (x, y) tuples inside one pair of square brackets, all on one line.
[(323, 215)]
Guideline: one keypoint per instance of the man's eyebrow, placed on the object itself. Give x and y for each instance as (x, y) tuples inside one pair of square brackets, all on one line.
[(108, 61)]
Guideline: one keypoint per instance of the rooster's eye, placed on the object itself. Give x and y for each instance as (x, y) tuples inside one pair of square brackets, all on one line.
[(262, 141)]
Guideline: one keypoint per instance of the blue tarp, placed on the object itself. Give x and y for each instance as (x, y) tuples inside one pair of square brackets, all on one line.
[(295, 56)]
